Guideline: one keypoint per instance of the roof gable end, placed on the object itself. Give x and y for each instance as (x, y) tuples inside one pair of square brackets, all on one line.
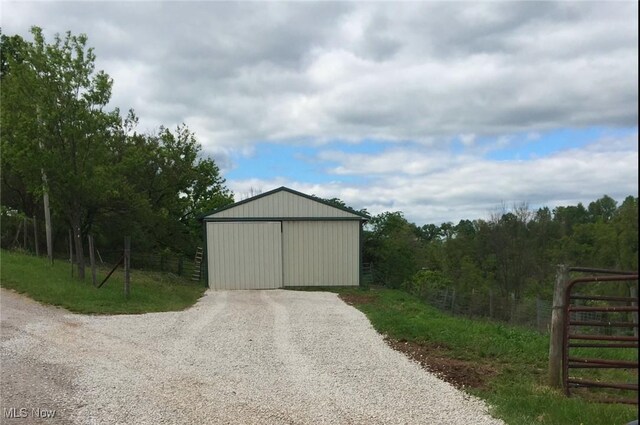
[(283, 203)]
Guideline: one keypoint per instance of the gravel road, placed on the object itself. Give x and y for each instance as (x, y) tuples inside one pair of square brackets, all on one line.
[(236, 357)]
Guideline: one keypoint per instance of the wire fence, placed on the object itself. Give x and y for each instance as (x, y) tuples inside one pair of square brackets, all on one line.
[(530, 312), (534, 313), (167, 262), (27, 235)]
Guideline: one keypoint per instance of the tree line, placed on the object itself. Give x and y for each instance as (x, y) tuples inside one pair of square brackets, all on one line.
[(102, 176), (514, 252)]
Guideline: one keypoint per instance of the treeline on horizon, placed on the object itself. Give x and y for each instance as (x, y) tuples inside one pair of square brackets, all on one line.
[(514, 253)]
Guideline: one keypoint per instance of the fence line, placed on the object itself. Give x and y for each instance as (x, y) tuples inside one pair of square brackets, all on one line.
[(167, 262), (531, 312), (26, 234), (534, 313)]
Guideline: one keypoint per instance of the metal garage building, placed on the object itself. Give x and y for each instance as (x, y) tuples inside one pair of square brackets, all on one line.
[(283, 238)]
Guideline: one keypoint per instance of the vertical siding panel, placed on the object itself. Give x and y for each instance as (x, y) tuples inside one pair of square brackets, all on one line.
[(212, 248), (261, 273), (245, 258), (277, 257), (231, 242), (220, 255), (323, 233), (319, 254), (238, 272), (286, 261)]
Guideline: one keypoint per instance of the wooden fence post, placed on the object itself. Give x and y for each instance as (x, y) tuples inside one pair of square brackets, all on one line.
[(538, 312), (92, 259), (71, 250), (490, 303), (24, 234), (633, 291), (35, 235), (453, 299), (557, 328), (127, 265)]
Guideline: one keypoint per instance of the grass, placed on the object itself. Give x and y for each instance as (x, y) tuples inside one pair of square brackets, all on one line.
[(517, 393), (150, 291)]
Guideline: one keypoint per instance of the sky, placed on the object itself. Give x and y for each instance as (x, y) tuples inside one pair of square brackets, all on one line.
[(441, 110)]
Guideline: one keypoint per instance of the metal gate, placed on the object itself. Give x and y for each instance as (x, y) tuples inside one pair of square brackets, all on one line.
[(584, 313)]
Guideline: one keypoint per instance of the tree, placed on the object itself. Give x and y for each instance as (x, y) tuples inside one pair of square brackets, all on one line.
[(177, 186), (625, 222), (602, 209), (393, 245), (102, 175), (337, 202), (53, 121), (567, 217)]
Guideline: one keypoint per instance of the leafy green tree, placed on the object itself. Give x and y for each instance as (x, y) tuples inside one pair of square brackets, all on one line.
[(54, 122), (166, 185), (429, 232), (394, 247), (569, 216), (11, 48), (602, 209), (102, 176), (625, 222)]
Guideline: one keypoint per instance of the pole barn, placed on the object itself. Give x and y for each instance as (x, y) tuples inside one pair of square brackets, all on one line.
[(283, 238)]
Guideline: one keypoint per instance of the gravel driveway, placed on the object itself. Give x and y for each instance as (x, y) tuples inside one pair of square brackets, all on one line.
[(236, 357)]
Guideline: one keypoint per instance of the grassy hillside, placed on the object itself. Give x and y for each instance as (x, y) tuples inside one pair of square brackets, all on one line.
[(504, 365), (150, 291)]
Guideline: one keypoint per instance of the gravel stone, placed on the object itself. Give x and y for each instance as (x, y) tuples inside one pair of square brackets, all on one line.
[(236, 357)]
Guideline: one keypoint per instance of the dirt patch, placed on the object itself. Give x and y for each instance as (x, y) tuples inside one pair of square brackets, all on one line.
[(357, 299), (459, 373)]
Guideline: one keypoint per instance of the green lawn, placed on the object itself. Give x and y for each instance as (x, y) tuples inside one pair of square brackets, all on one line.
[(517, 391), (150, 291)]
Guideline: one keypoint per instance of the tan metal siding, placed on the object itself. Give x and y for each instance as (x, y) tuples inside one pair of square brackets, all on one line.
[(282, 204), (321, 253), (244, 255)]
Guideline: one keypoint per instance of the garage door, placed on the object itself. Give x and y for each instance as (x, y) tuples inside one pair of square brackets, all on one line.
[(244, 255), (321, 253)]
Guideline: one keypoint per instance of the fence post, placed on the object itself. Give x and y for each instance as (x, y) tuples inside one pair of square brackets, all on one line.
[(453, 300), (127, 265), (180, 266), (92, 259), (633, 291), (35, 235), (24, 234), (71, 250), (538, 312), (491, 303), (557, 328)]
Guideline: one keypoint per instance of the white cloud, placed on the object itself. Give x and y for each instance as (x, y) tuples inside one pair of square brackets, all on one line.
[(471, 187), (408, 71), (423, 74)]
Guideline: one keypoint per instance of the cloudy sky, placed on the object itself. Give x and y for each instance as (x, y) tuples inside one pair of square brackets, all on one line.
[(442, 110)]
